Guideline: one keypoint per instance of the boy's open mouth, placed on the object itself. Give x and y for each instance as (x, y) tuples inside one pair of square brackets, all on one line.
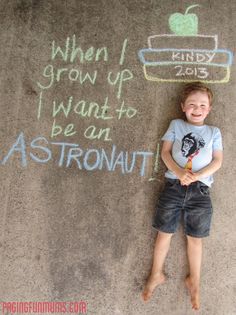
[(196, 115)]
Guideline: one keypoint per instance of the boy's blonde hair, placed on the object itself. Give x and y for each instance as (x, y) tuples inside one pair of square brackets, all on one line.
[(194, 87)]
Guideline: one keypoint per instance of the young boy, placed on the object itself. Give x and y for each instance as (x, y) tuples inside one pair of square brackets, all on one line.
[(192, 152)]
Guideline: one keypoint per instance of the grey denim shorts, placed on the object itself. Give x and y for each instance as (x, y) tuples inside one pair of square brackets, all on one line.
[(192, 201)]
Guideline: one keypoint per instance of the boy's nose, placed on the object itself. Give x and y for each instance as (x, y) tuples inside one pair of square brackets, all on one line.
[(196, 106)]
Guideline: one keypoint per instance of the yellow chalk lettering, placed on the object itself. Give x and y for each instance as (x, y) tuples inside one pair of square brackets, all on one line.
[(69, 130), (90, 133), (59, 72), (105, 131), (82, 111), (59, 51), (75, 51), (105, 108), (74, 77), (57, 130), (100, 51), (48, 72), (89, 54), (93, 105), (62, 108)]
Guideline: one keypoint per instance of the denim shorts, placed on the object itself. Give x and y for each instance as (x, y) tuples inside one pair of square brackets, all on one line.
[(192, 201)]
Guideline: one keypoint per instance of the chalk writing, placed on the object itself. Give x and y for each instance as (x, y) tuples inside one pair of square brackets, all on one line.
[(71, 53), (165, 60), (40, 151), (85, 109), (200, 72), (92, 133), (67, 131), (55, 75), (76, 71), (129, 112), (122, 55), (82, 108), (156, 163), (119, 78)]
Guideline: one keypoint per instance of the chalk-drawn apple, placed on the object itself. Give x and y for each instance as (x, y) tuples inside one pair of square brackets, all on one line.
[(184, 24)]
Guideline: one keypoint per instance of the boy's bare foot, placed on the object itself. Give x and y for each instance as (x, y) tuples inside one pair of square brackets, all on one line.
[(194, 292), (151, 284)]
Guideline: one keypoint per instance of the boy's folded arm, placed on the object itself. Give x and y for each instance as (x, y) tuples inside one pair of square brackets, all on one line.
[(211, 168), (186, 176), (167, 158)]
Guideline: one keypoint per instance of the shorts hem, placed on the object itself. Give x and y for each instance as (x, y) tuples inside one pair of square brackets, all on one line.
[(161, 230), (197, 236)]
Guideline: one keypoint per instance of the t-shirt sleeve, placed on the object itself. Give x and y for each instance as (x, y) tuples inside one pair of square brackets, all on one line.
[(217, 140), (170, 133)]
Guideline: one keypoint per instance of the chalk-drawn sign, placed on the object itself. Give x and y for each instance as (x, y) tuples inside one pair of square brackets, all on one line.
[(72, 55), (165, 59), (66, 110)]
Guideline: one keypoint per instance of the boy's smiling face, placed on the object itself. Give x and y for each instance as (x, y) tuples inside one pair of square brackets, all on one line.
[(196, 107)]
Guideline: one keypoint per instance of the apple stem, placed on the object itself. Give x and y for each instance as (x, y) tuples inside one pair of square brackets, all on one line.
[(191, 6)]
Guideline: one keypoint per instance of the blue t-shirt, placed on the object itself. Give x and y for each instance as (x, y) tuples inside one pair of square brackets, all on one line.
[(193, 146)]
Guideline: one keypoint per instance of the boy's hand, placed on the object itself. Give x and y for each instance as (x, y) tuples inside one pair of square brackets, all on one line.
[(187, 177)]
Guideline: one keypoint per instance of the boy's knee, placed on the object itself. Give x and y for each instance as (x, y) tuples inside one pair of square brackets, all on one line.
[(194, 240), (164, 235)]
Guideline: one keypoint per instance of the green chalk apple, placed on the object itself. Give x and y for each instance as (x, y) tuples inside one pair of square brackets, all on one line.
[(184, 24)]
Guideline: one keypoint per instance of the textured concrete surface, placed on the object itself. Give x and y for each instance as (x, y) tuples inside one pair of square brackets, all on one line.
[(71, 234)]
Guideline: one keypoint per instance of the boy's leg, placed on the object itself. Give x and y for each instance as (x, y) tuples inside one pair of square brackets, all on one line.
[(192, 281), (157, 276)]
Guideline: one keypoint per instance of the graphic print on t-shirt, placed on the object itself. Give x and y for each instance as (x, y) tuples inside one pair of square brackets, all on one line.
[(191, 145)]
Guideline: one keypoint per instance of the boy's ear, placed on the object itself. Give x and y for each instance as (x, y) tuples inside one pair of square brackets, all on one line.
[(182, 106)]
